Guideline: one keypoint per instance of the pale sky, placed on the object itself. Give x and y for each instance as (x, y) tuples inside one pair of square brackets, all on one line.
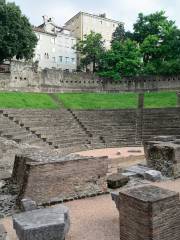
[(121, 10)]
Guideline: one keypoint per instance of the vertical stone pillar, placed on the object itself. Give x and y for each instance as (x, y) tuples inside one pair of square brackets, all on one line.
[(178, 99), (141, 100), (139, 118), (149, 213)]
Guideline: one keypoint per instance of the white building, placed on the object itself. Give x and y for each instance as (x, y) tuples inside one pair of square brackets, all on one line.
[(55, 47)]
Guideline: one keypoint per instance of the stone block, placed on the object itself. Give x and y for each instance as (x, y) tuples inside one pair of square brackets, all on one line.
[(149, 213), (153, 175), (164, 157), (117, 180), (46, 178), (137, 170), (42, 224), (28, 205)]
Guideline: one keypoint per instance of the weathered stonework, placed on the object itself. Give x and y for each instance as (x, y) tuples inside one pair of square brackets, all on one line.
[(42, 224), (149, 213), (164, 156), (49, 178), (25, 76)]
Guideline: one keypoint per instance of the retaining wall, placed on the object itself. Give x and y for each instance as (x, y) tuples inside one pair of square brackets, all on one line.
[(27, 77)]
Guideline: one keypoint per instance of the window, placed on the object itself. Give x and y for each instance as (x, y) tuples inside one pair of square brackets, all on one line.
[(73, 60), (46, 55), (54, 59), (60, 59), (67, 59)]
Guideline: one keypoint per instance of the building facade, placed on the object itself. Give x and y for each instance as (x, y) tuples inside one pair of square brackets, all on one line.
[(83, 23), (55, 48)]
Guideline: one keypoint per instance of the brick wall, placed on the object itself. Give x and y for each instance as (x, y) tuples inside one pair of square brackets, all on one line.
[(59, 179), (149, 213)]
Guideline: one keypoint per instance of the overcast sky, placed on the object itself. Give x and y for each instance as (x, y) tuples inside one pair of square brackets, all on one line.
[(121, 10)]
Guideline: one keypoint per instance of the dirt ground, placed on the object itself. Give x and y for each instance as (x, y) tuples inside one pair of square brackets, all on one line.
[(114, 153)]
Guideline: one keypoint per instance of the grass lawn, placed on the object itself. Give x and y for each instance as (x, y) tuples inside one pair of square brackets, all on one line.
[(160, 99), (87, 100), (99, 100), (26, 100)]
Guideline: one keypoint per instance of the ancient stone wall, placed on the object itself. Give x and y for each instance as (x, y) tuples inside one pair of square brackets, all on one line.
[(26, 77), (48, 178)]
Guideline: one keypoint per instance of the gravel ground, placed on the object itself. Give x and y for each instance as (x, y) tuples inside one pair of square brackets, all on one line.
[(91, 219), (94, 218)]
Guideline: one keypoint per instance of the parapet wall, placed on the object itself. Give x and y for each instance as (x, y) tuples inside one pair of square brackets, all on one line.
[(27, 77)]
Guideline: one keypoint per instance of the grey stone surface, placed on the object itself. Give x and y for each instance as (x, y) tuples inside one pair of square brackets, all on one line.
[(130, 174), (28, 204), (139, 170), (153, 175), (42, 224)]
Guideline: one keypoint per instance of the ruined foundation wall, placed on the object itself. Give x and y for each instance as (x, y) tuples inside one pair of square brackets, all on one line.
[(56, 181)]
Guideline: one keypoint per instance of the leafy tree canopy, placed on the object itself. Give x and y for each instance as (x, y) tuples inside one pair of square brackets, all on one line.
[(91, 49), (159, 42), (17, 38), (153, 24), (123, 60)]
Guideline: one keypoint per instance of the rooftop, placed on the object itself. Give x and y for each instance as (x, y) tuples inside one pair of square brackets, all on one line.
[(95, 16)]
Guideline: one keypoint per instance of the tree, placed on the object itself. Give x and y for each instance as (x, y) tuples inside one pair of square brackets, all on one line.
[(17, 38), (119, 33), (91, 49), (159, 41), (123, 60), (152, 24)]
